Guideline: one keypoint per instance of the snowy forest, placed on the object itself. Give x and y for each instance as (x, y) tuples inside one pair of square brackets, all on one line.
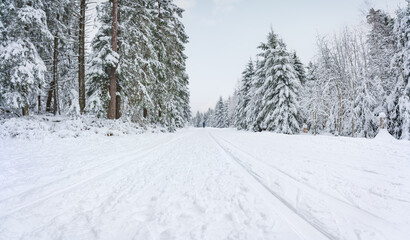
[(133, 68), (357, 73), (299, 135)]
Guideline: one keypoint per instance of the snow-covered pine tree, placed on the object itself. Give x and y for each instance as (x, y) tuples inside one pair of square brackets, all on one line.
[(114, 104), (209, 118), (171, 92), (178, 88), (299, 68), (102, 59), (280, 95), (138, 59), (233, 102), (266, 73), (220, 116), (301, 75), (256, 108), (22, 70), (68, 60), (241, 114), (399, 104), (152, 80), (59, 53), (198, 119), (380, 40)]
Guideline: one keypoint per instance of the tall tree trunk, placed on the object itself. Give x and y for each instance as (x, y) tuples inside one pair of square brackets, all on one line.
[(39, 101), (145, 113), (49, 97), (55, 76), (81, 57), (24, 109), (113, 77), (118, 107)]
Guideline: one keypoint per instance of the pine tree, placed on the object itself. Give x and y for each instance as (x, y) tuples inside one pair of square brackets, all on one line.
[(220, 116), (241, 113), (171, 92), (112, 106), (284, 97), (268, 80), (209, 118), (263, 76), (102, 59), (299, 68), (399, 105), (151, 75), (22, 70), (59, 15), (381, 42)]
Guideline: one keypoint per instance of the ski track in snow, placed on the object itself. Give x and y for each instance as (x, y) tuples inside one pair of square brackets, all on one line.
[(286, 210), (102, 170), (303, 187), (204, 184)]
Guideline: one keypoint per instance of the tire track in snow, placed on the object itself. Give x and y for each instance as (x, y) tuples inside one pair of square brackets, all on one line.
[(88, 179), (302, 226)]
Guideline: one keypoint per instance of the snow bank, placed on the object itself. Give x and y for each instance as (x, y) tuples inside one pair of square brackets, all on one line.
[(38, 127), (384, 135)]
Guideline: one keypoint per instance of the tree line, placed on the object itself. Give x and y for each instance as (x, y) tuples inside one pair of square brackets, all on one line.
[(135, 68), (356, 74)]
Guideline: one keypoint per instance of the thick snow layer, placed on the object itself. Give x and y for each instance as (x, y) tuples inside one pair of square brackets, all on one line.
[(43, 126), (384, 136), (204, 184)]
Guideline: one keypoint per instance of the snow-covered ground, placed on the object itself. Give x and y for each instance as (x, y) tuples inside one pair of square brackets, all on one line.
[(204, 184), (46, 126)]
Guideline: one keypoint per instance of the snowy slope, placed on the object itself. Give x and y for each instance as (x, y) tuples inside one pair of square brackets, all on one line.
[(204, 184)]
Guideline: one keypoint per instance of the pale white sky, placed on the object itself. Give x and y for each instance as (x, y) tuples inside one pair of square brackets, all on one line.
[(224, 34)]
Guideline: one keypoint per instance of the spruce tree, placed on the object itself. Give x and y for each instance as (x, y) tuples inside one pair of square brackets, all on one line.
[(256, 107), (281, 94), (268, 80), (399, 105), (152, 80), (220, 116), (22, 70), (241, 113), (101, 60), (381, 42), (299, 68)]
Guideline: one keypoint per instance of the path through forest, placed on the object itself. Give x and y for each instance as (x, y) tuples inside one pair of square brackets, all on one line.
[(205, 184)]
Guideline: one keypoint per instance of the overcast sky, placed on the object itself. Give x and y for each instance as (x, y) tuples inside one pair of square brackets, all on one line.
[(224, 34)]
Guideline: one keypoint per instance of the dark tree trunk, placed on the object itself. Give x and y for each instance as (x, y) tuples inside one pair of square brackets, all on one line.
[(113, 77), (24, 110), (81, 57), (118, 107), (49, 97), (39, 102), (55, 77), (145, 113)]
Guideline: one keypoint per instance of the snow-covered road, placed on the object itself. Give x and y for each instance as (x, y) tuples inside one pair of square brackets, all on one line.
[(205, 184)]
